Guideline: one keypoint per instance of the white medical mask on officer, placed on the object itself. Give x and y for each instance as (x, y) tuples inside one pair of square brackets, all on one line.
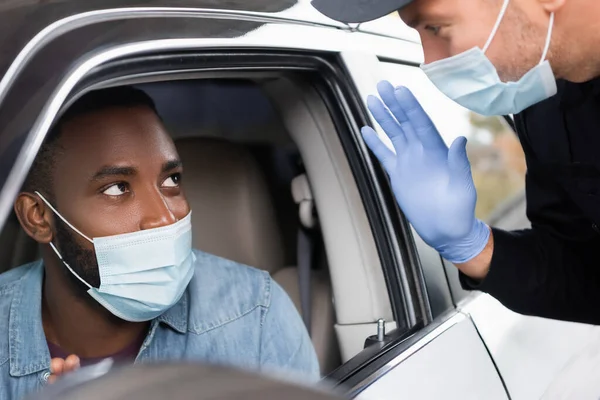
[(470, 79)]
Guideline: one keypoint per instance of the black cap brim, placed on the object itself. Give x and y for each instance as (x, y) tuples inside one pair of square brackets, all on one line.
[(356, 11)]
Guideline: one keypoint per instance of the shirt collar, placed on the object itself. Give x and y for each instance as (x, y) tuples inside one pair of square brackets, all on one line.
[(176, 317), (27, 342), (573, 94)]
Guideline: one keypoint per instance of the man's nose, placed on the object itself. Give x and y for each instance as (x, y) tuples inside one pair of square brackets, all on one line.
[(433, 54), (433, 50), (157, 212)]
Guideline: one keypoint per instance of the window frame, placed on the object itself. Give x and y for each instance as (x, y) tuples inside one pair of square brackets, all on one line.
[(429, 265), (334, 88), (347, 112)]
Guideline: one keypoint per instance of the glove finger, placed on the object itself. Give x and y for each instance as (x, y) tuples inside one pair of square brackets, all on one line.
[(418, 120), (458, 162), (387, 93), (386, 157), (387, 122)]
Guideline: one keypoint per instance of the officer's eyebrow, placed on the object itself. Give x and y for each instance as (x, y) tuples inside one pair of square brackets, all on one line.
[(413, 20)]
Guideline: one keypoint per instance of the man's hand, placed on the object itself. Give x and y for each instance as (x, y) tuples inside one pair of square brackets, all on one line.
[(59, 367), (432, 184)]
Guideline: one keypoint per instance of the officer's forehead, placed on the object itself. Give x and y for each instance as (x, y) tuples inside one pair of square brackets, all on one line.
[(432, 11)]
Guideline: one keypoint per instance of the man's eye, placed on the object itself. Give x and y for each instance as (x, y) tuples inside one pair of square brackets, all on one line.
[(172, 181), (433, 29), (117, 189)]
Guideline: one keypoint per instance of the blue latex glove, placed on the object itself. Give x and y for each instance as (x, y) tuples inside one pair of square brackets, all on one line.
[(432, 184)]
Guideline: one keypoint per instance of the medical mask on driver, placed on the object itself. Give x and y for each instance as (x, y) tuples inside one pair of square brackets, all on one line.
[(471, 80), (143, 273)]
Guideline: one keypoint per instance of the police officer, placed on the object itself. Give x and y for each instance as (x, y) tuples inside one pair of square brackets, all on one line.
[(538, 60)]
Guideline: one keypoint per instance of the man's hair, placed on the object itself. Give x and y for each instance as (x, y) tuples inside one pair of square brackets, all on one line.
[(41, 173)]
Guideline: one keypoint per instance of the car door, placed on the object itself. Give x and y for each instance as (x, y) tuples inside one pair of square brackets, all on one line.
[(447, 357), (536, 357), (436, 350)]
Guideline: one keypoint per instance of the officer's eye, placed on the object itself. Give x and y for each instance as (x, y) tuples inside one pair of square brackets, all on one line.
[(433, 29)]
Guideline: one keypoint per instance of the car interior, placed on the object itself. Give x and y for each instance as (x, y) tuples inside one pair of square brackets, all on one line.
[(270, 187)]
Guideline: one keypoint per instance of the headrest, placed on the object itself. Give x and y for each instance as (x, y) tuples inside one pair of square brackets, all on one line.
[(232, 211), (302, 194)]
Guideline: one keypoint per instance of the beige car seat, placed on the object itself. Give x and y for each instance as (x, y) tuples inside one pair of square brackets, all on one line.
[(233, 217)]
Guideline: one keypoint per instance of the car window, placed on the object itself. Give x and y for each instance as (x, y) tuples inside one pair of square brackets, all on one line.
[(497, 159)]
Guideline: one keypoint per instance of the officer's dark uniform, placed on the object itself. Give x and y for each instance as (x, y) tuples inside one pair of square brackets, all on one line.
[(553, 269)]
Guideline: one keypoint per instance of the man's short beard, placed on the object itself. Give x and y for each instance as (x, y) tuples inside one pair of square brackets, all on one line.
[(523, 44), (81, 260), (84, 263)]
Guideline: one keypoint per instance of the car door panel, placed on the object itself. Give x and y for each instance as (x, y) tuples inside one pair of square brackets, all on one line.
[(452, 365), (534, 354), (530, 353)]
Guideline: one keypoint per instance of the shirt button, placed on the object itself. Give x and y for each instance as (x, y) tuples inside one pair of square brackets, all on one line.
[(46, 376)]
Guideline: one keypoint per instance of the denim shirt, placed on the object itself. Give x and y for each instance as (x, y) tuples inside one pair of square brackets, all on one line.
[(230, 314)]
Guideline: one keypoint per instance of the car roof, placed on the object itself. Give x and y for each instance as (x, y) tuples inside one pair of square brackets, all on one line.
[(41, 39), (22, 20)]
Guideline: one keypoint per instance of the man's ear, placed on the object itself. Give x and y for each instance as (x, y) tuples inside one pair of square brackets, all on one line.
[(35, 217), (552, 6)]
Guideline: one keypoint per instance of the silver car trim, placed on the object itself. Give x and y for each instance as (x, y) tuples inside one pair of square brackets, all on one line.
[(454, 319), (174, 75), (43, 122), (67, 24)]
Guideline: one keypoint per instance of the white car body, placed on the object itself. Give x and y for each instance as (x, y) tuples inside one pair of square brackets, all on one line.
[(462, 345)]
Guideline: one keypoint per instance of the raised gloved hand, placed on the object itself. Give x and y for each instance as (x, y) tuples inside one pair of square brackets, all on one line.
[(432, 184)]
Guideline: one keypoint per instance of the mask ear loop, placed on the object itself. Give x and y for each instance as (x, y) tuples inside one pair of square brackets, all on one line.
[(62, 218), (68, 266), (497, 25), (548, 38), (54, 247)]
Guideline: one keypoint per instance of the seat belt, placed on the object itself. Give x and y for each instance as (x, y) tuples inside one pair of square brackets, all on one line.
[(305, 253), (306, 244)]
